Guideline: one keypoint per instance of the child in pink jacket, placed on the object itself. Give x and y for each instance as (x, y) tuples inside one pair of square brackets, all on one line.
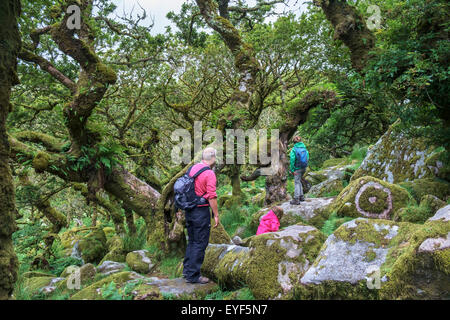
[(270, 222)]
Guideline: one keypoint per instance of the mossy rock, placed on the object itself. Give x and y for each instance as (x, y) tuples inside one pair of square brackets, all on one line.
[(293, 214), (259, 199), (397, 157), (326, 188), (69, 237), (140, 261), (421, 187), (94, 292), (176, 288), (93, 247), (87, 272), (379, 259), (271, 263), (335, 162), (33, 285), (222, 199), (218, 234), (115, 250), (316, 177), (370, 197), (109, 232), (422, 270), (233, 201), (419, 214)]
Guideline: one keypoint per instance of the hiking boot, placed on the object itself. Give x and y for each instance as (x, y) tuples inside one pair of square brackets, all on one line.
[(295, 202), (302, 198), (201, 280)]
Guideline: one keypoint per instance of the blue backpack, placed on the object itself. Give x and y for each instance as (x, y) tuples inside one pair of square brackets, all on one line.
[(301, 158), (184, 189)]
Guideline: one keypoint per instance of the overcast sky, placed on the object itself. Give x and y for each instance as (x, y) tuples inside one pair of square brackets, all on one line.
[(157, 9)]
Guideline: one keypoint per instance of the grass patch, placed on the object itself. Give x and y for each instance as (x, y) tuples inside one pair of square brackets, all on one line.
[(333, 223)]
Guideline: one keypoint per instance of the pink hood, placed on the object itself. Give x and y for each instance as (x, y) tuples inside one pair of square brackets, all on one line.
[(268, 223)]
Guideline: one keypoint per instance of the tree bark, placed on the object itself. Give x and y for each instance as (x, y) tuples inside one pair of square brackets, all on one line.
[(296, 115), (350, 28), (9, 48)]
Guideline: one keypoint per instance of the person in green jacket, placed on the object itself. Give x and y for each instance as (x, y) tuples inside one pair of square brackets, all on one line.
[(297, 169)]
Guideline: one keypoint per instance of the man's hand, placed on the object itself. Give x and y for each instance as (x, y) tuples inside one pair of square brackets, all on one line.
[(216, 219), (215, 210)]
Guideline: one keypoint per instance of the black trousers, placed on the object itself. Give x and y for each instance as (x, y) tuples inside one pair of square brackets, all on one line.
[(198, 224)]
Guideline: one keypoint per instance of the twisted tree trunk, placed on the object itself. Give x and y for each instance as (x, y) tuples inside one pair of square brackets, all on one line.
[(9, 47)]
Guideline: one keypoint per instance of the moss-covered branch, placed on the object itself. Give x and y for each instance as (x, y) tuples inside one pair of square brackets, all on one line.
[(244, 55), (47, 66), (350, 28), (50, 143)]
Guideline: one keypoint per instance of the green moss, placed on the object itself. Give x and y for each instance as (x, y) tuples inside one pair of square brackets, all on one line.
[(41, 162), (218, 234), (373, 199), (335, 291), (34, 284), (93, 291), (421, 187), (335, 161), (370, 255), (93, 247), (409, 270)]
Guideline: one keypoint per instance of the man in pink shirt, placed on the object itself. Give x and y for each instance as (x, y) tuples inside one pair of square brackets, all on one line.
[(198, 220)]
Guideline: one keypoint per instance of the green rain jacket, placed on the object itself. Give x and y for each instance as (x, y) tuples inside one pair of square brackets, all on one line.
[(292, 155)]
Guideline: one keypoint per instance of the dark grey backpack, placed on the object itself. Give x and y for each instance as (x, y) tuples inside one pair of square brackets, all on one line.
[(184, 189)]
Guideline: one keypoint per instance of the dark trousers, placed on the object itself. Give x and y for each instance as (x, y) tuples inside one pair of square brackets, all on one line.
[(198, 224)]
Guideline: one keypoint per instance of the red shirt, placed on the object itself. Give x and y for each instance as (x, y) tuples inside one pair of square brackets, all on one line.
[(205, 183)]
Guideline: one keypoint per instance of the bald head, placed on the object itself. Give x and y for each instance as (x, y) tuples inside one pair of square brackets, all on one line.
[(209, 155)]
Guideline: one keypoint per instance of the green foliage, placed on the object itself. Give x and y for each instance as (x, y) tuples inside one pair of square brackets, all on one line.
[(112, 292), (411, 62), (133, 242), (333, 223), (169, 264), (238, 216), (105, 155)]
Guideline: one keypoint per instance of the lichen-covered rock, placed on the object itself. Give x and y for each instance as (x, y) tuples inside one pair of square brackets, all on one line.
[(332, 171), (396, 158), (442, 214), (94, 291), (87, 272), (109, 267), (432, 202), (294, 214), (176, 288), (93, 247), (421, 187), (269, 265), (140, 261), (145, 288), (370, 197), (373, 259), (72, 236), (36, 285), (422, 269), (218, 234), (327, 187)]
